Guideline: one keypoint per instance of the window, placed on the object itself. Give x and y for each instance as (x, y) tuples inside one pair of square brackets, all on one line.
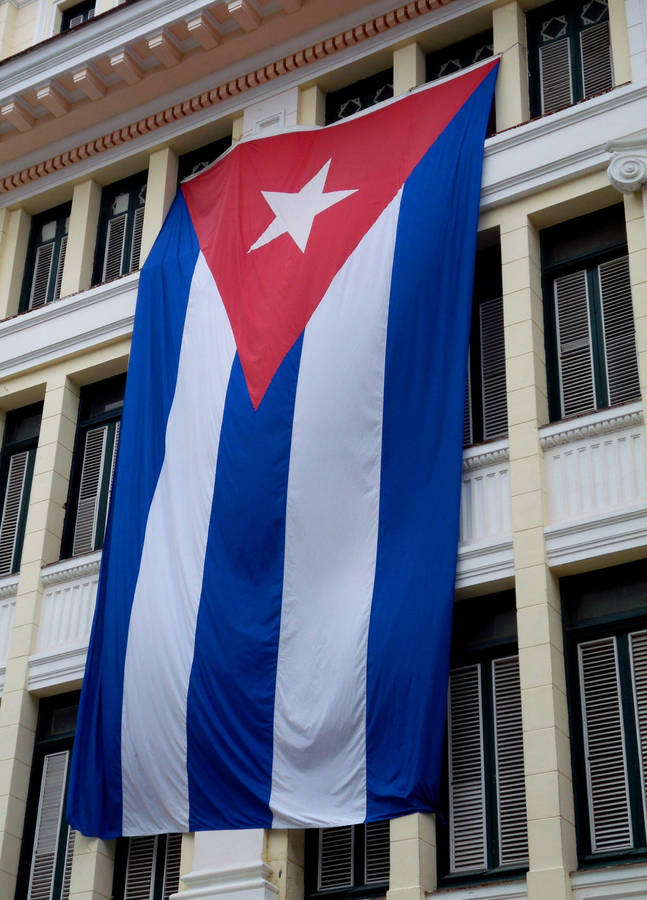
[(569, 53), (48, 842), (76, 14), (352, 860), (16, 471), (93, 466), (45, 258), (459, 56), (486, 829), (605, 616), (147, 868), (197, 160), (486, 409), (359, 95), (590, 337), (120, 229)]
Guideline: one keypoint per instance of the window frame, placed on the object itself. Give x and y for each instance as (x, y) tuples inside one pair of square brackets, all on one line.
[(44, 745), (7, 450), (60, 215), (197, 159), (362, 88), (311, 869), (588, 261), (120, 871), (618, 625), (133, 186), (85, 423), (75, 9)]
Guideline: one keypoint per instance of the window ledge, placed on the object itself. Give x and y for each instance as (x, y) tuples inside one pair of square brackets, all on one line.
[(612, 883)]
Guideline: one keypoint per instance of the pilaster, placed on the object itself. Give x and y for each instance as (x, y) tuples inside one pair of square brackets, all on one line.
[(408, 68), (619, 35), (413, 857), (228, 864), (549, 791), (312, 106), (511, 95), (81, 238), (19, 710), (13, 251), (284, 853), (92, 869), (161, 188)]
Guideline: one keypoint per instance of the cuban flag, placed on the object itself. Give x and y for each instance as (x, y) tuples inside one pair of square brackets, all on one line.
[(271, 637)]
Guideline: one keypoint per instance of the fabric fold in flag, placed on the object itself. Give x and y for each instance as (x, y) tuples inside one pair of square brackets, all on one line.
[(271, 638)]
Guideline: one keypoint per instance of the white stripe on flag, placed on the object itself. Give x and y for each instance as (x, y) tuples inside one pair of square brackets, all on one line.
[(161, 639), (332, 516)]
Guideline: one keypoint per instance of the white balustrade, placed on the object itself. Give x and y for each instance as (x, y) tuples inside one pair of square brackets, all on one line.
[(596, 484), (69, 595), (485, 549)]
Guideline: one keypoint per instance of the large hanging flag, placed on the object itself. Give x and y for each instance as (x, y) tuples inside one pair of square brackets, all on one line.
[(270, 644)]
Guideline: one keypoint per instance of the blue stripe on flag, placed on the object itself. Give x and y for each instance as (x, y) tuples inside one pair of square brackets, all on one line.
[(164, 282), (421, 468), (230, 709)]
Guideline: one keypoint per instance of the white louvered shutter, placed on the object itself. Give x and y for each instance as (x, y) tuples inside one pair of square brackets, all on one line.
[(85, 527), (595, 49), (11, 508), (619, 332), (574, 343), (495, 410), (42, 274), (468, 849), (172, 865), (555, 75), (376, 845), (140, 868), (48, 825), (508, 742), (138, 225), (114, 252), (113, 463), (467, 421), (638, 646), (604, 745), (59, 268), (67, 869), (336, 857)]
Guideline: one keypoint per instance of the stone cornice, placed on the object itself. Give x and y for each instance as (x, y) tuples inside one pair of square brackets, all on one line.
[(8, 586), (69, 569), (627, 170), (591, 426), (485, 456), (225, 91)]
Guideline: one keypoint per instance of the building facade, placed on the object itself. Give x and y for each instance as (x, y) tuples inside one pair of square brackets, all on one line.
[(104, 107)]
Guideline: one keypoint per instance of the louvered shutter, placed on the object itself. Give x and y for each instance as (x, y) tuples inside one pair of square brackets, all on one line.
[(85, 528), (466, 779), (172, 865), (555, 75), (376, 845), (638, 646), (48, 825), (619, 332), (114, 252), (42, 274), (336, 857), (67, 869), (574, 343), (59, 268), (467, 421), (495, 409), (595, 50), (603, 727), (11, 509), (113, 463), (140, 868), (508, 743), (138, 225)]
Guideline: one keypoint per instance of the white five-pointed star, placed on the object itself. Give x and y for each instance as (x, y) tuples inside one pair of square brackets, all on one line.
[(295, 212)]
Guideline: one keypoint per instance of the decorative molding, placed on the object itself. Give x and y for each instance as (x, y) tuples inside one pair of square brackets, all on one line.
[(498, 890), (597, 536), (486, 455), (62, 668), (590, 426), (128, 68), (252, 880), (627, 170), (67, 569), (483, 563), (8, 586), (626, 882)]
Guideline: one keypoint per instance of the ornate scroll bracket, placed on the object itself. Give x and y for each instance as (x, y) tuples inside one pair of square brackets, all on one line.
[(627, 170)]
